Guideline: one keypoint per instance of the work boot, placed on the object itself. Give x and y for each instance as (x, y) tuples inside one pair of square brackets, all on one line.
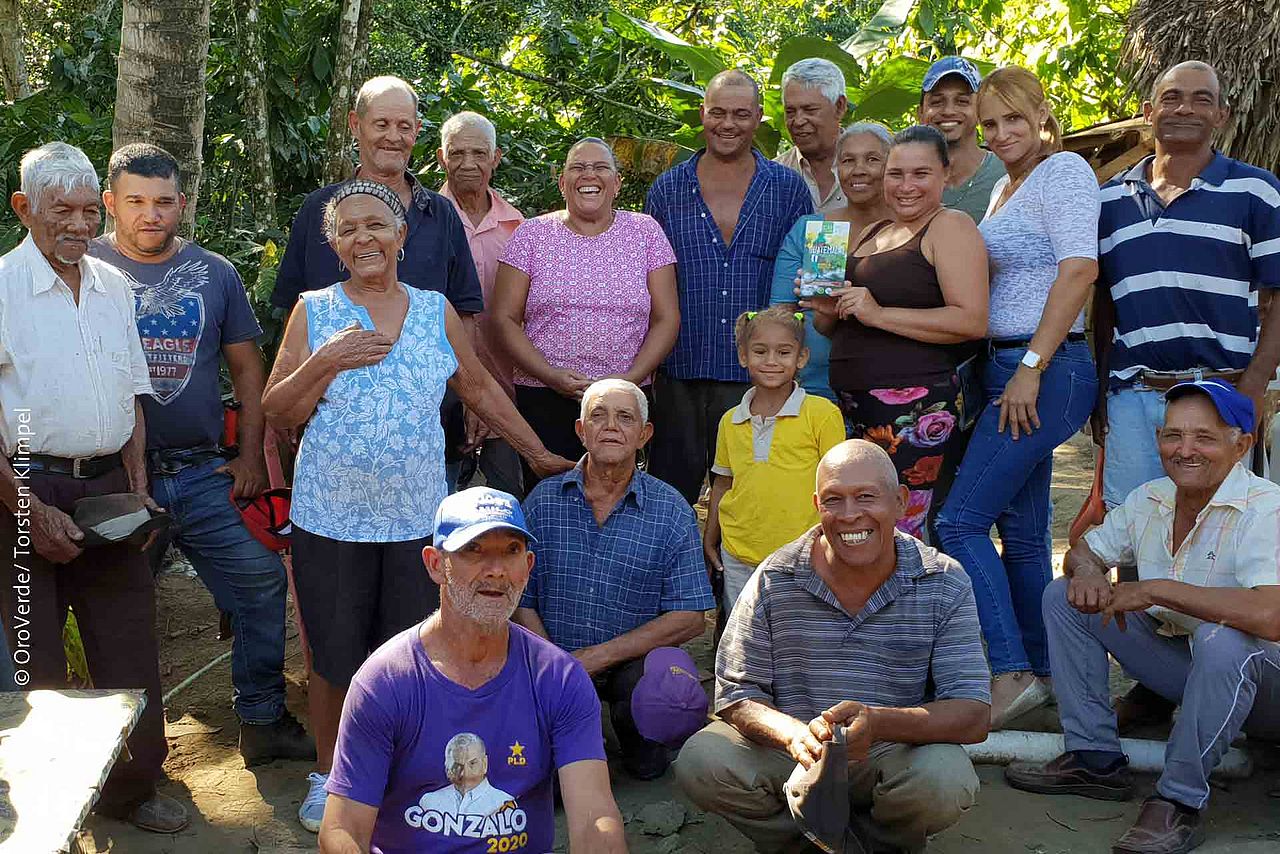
[(1163, 827), (1141, 707), (1068, 775), (159, 814), (283, 739)]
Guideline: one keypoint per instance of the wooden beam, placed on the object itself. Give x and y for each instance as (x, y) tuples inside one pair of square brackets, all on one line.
[(1128, 160)]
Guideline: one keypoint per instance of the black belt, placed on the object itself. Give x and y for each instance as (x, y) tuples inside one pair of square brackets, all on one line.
[(1023, 343), (82, 468), (170, 461)]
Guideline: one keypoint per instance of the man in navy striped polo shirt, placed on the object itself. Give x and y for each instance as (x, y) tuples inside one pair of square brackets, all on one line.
[(857, 624), (1187, 239)]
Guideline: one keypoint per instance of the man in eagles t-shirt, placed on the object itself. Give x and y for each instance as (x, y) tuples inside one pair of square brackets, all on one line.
[(453, 729), (193, 312)]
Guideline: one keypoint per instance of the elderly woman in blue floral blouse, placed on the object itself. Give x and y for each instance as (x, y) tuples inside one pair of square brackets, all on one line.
[(364, 364)]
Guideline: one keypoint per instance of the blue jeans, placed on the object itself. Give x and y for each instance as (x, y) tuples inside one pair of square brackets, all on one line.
[(246, 579), (1133, 458), (1006, 483)]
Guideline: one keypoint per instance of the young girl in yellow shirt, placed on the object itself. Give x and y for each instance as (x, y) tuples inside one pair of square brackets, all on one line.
[(767, 451)]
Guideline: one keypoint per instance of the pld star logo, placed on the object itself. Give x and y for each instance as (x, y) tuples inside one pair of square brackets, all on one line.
[(517, 756)]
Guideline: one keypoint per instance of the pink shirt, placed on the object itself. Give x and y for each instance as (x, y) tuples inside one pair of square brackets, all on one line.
[(588, 307), (487, 241)]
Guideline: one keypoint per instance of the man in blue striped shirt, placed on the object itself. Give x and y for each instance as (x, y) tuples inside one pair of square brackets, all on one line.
[(1187, 239), (857, 624), (726, 212)]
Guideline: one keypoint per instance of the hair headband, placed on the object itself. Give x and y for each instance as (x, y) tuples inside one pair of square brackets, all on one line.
[(370, 188)]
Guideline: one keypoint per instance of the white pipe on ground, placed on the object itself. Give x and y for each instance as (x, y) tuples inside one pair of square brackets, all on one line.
[(1145, 756)]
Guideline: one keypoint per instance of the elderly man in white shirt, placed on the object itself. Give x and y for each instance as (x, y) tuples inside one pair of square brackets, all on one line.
[(1200, 627), (71, 371)]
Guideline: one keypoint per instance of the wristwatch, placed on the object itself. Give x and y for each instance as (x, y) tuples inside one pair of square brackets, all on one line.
[(1033, 361)]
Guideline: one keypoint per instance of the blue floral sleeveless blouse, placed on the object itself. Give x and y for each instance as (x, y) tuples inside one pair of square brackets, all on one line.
[(371, 465)]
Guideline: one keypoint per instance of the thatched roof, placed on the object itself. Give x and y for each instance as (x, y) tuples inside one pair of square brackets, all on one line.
[(1241, 38)]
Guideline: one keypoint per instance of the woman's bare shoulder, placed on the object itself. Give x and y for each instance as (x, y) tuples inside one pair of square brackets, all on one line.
[(953, 226)]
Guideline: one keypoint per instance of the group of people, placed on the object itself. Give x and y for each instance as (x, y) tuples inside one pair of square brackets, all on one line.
[(856, 450)]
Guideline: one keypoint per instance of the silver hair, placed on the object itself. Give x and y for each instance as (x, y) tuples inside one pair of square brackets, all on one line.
[(876, 129), (821, 74), (376, 86), (468, 120), (592, 140), (600, 387), (55, 166), (329, 218), (461, 740)]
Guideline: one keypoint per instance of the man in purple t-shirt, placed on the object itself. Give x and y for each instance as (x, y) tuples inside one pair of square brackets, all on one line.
[(452, 730)]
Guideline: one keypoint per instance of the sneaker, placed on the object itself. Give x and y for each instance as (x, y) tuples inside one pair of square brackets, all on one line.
[(283, 739), (311, 813), (160, 814), (1067, 775)]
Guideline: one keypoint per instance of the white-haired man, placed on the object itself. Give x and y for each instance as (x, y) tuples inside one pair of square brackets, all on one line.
[(464, 678), (71, 425), (814, 103), (385, 126), (469, 153), (620, 570)]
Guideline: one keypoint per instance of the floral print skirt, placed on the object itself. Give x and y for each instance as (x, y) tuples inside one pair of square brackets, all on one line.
[(918, 426)]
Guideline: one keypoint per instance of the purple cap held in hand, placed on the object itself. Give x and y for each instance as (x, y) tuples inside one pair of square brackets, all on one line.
[(668, 703)]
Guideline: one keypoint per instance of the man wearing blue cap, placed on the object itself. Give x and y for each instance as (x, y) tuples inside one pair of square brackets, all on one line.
[(1199, 628), (949, 102), (502, 707)]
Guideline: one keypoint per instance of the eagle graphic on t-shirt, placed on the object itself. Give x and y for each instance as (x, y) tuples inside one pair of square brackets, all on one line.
[(170, 323)]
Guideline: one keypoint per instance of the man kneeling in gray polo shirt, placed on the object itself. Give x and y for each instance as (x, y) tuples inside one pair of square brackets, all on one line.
[(857, 624)]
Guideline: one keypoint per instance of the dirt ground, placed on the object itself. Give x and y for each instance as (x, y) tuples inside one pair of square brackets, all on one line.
[(235, 810)]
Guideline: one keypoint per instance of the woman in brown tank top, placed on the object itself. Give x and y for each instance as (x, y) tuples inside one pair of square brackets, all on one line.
[(916, 294)]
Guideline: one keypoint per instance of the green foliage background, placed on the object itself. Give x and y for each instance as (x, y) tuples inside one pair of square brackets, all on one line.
[(547, 73)]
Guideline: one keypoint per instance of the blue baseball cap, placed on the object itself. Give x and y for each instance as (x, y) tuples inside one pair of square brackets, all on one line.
[(1234, 408), (465, 515), (951, 65)]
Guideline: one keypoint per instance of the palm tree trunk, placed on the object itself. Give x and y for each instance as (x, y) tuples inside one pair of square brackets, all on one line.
[(337, 163), (257, 140), (160, 87), (13, 66)]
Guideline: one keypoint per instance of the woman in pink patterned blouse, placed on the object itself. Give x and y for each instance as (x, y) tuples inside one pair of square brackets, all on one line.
[(583, 293)]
